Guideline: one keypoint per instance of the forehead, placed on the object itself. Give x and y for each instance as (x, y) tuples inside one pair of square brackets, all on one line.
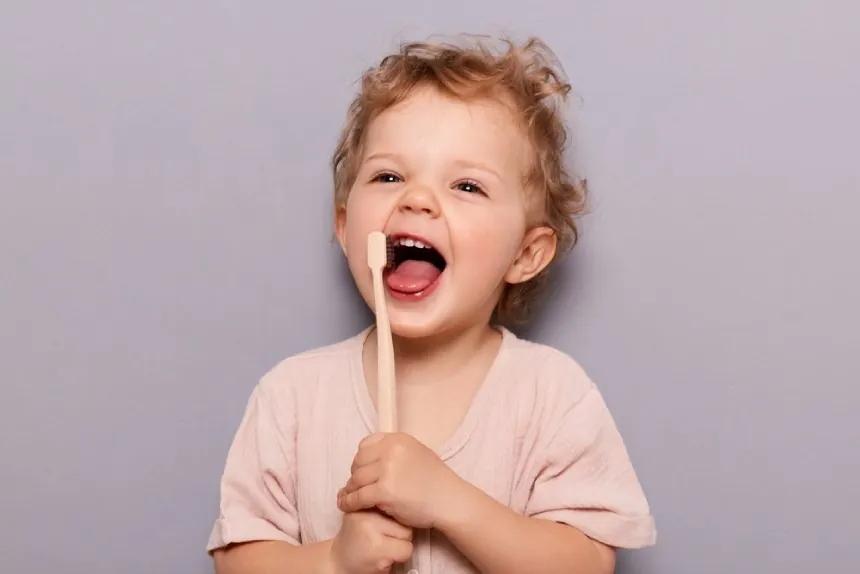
[(430, 122)]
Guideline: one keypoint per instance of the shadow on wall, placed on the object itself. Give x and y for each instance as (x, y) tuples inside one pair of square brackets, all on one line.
[(636, 562), (567, 280)]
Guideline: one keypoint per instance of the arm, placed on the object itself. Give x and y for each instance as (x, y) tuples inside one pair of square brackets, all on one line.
[(580, 481), (581, 497), (498, 540), (257, 531), (274, 557)]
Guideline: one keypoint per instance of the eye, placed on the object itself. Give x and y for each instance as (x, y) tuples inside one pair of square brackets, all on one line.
[(469, 186), (386, 177)]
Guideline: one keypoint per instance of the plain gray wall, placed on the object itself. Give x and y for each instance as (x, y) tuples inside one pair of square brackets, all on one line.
[(165, 241)]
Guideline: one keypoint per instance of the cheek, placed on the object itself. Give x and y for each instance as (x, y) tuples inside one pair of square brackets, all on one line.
[(491, 248), (359, 222)]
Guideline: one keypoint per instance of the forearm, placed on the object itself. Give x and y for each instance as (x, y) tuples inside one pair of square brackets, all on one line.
[(498, 540), (272, 557)]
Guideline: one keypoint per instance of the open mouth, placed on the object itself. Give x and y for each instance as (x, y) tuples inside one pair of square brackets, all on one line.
[(415, 269)]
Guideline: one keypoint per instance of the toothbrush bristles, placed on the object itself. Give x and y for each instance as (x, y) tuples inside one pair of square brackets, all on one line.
[(389, 253)]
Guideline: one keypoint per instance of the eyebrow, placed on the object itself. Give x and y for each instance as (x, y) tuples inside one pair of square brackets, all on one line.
[(383, 155), (461, 163), (478, 166)]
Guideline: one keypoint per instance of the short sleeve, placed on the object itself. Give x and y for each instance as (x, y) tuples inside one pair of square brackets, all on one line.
[(584, 477), (258, 492)]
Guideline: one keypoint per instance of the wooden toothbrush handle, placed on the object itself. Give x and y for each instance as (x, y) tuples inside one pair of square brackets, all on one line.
[(386, 399)]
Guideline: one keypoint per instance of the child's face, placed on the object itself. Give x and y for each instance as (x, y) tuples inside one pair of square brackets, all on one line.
[(451, 173)]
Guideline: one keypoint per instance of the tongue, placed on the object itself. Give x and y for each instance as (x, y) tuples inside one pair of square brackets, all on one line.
[(412, 276)]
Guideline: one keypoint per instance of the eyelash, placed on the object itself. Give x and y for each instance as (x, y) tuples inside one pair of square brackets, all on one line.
[(478, 189), (379, 178), (382, 178)]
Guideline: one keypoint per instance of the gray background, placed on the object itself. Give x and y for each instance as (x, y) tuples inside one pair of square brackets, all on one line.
[(165, 240)]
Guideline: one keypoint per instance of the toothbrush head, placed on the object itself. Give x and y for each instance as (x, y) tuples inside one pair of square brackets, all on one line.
[(380, 251)]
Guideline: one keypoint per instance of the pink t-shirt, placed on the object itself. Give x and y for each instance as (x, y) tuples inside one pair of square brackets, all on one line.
[(538, 437)]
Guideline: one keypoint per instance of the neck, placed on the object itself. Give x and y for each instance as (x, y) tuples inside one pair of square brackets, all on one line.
[(440, 356)]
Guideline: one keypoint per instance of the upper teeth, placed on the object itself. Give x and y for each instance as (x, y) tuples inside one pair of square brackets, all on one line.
[(409, 242)]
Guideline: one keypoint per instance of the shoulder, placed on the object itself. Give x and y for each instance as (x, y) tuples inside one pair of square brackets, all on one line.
[(548, 385), (554, 373), (558, 399), (312, 370)]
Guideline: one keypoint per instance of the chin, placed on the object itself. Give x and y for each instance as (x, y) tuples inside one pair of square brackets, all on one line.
[(408, 323), (414, 325)]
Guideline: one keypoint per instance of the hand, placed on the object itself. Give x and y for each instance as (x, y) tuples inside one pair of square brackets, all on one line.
[(370, 543), (403, 478)]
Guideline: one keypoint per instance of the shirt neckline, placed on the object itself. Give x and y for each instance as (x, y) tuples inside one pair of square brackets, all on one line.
[(458, 439)]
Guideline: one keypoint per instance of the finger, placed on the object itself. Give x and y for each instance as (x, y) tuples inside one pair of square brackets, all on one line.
[(371, 439), (394, 529), (386, 525), (367, 454), (397, 550), (363, 476), (383, 566), (361, 499)]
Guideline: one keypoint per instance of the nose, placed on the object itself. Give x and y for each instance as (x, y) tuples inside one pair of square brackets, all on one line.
[(419, 200)]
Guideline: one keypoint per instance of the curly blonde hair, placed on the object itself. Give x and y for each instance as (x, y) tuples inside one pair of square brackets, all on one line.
[(526, 77)]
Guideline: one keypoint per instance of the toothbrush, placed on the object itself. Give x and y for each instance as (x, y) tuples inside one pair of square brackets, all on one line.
[(379, 256)]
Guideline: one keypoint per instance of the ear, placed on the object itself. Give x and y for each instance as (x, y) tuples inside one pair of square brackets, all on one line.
[(340, 227), (537, 251)]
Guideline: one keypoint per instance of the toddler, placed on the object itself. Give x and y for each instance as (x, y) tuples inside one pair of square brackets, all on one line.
[(507, 460)]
